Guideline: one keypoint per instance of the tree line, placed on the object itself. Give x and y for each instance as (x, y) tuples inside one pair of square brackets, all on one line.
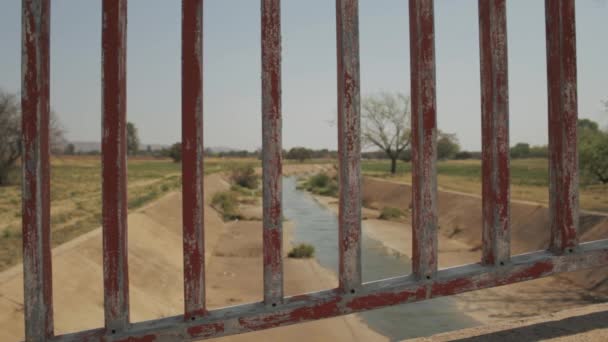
[(385, 134)]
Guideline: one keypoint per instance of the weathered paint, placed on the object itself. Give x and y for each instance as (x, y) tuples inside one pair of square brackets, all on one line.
[(272, 151), (351, 296), (349, 144), (192, 158), (563, 115), (114, 164), (373, 295), (206, 330), (495, 131), (424, 138), (38, 291)]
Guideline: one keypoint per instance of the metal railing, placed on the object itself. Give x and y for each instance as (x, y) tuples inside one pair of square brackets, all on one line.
[(497, 266)]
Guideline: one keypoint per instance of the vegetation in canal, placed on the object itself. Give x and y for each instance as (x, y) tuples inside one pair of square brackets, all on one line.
[(321, 184), (391, 213), (302, 251), (245, 177), (227, 203)]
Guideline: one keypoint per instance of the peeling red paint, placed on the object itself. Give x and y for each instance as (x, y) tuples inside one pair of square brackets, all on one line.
[(424, 144), (38, 293), (302, 314), (536, 270), (563, 116), (206, 330), (272, 151), (451, 287), (495, 131), (192, 158), (114, 164), (146, 338), (385, 299), (349, 144), (427, 282)]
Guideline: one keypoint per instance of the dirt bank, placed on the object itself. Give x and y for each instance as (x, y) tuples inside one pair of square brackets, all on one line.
[(460, 242), (234, 275), (585, 324)]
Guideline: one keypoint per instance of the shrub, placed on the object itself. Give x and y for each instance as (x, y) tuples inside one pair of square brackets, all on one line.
[(302, 251), (299, 153), (175, 152), (245, 177), (462, 155), (320, 180), (390, 213), (245, 191), (322, 184), (227, 203)]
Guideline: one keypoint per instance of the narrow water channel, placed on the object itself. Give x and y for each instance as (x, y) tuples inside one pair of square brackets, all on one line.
[(318, 226)]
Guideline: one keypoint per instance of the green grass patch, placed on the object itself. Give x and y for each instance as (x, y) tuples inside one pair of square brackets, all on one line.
[(245, 177), (390, 213), (528, 172), (245, 191), (227, 204), (302, 251), (321, 184)]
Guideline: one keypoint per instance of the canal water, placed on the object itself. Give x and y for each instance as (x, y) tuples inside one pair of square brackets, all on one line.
[(318, 226)]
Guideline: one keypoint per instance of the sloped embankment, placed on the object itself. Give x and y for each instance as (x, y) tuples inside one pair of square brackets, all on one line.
[(460, 218)]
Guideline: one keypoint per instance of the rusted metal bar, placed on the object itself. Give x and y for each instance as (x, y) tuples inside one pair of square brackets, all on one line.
[(37, 272), (495, 131), (272, 151), (424, 138), (349, 144), (563, 114), (374, 295), (192, 158), (114, 164)]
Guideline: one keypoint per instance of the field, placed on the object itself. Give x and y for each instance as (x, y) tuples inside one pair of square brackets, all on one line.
[(529, 180), (76, 196), (76, 190)]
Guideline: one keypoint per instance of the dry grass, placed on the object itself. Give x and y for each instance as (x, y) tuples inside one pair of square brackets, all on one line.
[(529, 180), (76, 196)]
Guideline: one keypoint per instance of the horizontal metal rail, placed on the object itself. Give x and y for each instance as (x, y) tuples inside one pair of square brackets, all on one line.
[(373, 295), (496, 267)]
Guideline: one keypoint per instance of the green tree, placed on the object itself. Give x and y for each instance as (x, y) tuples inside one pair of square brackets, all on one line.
[(447, 146), (299, 153), (593, 151), (175, 152), (132, 139), (520, 150), (69, 150)]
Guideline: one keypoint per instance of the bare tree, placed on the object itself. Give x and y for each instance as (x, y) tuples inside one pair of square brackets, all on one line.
[(385, 124), (10, 133)]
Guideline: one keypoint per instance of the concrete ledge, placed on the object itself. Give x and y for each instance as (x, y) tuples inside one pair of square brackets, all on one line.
[(589, 323)]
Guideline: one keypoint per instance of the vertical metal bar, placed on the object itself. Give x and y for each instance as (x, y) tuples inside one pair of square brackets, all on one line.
[(495, 131), (424, 138), (192, 158), (272, 151), (563, 156), (38, 291), (349, 143), (114, 164)]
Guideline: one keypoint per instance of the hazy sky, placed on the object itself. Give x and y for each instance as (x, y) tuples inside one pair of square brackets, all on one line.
[(232, 66)]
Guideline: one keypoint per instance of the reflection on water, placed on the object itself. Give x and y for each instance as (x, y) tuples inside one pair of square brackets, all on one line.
[(318, 226)]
